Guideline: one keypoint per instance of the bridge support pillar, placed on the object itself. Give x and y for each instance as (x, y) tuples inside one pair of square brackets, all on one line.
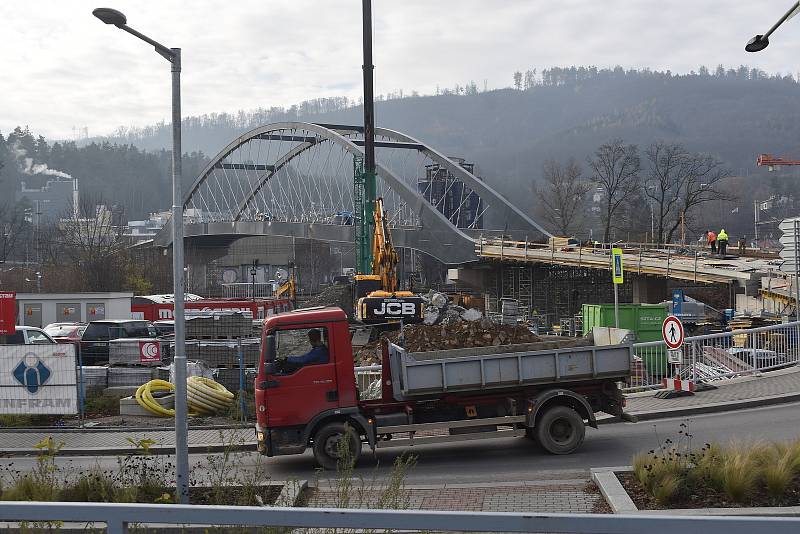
[(649, 289)]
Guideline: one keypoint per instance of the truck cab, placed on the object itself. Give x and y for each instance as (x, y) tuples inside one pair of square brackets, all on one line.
[(291, 395)]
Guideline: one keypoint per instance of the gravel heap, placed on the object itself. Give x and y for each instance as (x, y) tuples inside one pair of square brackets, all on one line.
[(450, 335), (338, 295)]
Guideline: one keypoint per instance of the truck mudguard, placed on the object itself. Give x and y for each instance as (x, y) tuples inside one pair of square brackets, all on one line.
[(338, 414), (563, 397)]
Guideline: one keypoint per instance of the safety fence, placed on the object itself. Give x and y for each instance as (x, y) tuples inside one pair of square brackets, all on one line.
[(714, 357), (120, 517)]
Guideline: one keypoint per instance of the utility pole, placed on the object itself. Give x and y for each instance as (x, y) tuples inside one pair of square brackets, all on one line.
[(367, 180)]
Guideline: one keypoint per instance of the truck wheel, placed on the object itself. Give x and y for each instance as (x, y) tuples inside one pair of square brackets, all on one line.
[(327, 444), (560, 430)]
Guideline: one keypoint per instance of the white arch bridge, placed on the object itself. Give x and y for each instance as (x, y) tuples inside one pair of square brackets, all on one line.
[(295, 179)]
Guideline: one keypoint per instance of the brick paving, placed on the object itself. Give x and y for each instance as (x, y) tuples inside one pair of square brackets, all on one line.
[(782, 382), (558, 496)]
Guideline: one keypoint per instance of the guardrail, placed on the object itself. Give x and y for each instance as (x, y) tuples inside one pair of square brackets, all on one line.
[(118, 517), (715, 357)]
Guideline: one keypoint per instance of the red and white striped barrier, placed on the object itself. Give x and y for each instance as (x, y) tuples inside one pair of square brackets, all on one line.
[(677, 384)]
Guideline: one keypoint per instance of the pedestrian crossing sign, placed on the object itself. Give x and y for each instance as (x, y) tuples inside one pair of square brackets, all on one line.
[(616, 265)]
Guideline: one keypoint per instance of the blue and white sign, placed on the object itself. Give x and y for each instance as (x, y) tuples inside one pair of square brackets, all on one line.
[(38, 379), (677, 302)]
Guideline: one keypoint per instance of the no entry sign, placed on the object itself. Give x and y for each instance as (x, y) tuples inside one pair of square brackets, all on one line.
[(672, 331)]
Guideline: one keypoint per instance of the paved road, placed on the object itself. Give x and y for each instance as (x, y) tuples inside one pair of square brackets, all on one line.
[(514, 459)]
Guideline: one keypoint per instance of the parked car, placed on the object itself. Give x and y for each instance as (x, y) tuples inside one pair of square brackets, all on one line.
[(165, 327), (65, 332), (27, 335), (94, 342)]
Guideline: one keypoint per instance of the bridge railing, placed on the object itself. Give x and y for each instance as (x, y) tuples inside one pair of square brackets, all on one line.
[(120, 517)]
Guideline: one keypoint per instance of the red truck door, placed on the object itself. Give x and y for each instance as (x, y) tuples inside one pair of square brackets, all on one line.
[(297, 392)]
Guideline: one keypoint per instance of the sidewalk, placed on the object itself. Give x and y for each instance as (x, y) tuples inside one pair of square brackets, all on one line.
[(775, 387), (553, 496), (112, 442)]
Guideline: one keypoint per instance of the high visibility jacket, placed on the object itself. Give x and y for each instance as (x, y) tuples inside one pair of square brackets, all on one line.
[(711, 237), (722, 236)]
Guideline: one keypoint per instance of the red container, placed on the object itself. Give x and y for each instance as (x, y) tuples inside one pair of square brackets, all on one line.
[(8, 313)]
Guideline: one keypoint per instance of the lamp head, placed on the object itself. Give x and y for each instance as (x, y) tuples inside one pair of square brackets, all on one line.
[(110, 16), (757, 44)]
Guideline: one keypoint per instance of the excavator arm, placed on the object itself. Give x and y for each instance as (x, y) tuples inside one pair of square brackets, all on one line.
[(384, 255)]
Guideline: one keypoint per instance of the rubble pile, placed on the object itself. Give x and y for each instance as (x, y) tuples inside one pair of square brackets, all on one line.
[(338, 295), (451, 334), (440, 310)]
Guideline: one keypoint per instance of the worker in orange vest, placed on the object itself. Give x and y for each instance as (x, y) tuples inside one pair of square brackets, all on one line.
[(712, 241)]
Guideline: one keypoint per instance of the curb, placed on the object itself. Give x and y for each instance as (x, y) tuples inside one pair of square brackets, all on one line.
[(290, 493), (125, 451), (612, 490), (714, 407)]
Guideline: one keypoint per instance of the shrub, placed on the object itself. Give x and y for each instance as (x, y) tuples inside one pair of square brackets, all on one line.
[(738, 474), (777, 476), (666, 488)]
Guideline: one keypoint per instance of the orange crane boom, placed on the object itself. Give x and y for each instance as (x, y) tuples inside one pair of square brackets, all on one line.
[(771, 161)]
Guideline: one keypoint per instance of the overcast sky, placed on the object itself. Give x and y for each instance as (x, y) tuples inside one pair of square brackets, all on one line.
[(62, 68)]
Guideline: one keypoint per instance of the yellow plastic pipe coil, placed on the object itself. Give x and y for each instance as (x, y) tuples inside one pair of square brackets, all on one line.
[(204, 396)]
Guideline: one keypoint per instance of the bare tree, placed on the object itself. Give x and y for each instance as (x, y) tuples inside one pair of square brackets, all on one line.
[(12, 227), (89, 244), (563, 195), (615, 171), (677, 182)]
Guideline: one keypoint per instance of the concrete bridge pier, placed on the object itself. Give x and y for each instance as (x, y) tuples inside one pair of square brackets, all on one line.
[(648, 289)]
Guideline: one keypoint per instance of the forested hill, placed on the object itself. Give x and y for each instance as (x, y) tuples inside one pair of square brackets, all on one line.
[(508, 133), (559, 113)]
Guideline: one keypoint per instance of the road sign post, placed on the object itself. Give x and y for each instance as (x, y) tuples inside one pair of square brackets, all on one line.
[(617, 278)]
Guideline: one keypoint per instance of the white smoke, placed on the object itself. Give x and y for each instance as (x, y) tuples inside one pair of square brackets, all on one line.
[(27, 166), (42, 168)]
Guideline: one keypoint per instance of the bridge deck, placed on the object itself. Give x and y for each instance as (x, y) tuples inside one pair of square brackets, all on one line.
[(699, 267)]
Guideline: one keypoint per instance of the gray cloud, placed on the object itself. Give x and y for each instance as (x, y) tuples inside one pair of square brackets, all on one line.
[(67, 69)]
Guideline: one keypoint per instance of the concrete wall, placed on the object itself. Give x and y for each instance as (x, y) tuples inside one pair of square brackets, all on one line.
[(41, 309)]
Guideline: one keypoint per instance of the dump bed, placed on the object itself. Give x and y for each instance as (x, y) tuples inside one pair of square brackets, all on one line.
[(506, 367)]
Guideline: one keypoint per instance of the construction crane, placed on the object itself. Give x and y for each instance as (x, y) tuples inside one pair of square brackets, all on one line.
[(378, 299), (770, 161)]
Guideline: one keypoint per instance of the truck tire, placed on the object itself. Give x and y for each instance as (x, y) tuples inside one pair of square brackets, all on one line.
[(326, 444), (560, 430)]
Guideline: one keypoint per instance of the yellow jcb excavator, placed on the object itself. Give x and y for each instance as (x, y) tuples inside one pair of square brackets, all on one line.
[(378, 299), (289, 287)]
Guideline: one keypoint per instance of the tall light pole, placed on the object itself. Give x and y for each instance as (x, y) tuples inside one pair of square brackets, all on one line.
[(757, 44), (173, 55)]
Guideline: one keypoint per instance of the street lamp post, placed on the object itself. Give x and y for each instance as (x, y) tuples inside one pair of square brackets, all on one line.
[(173, 55)]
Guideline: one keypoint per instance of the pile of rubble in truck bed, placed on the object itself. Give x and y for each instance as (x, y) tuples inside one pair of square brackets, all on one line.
[(457, 328)]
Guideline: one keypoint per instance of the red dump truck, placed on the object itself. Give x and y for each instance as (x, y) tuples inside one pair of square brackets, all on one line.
[(311, 400)]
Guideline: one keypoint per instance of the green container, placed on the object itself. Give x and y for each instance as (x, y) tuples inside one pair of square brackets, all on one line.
[(644, 320)]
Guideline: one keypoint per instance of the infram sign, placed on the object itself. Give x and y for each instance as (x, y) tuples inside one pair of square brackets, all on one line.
[(38, 379)]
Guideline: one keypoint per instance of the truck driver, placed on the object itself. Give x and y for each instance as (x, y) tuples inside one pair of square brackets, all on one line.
[(317, 355)]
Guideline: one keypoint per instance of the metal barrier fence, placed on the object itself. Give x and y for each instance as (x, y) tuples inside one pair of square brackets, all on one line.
[(366, 375), (717, 356), (118, 517)]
